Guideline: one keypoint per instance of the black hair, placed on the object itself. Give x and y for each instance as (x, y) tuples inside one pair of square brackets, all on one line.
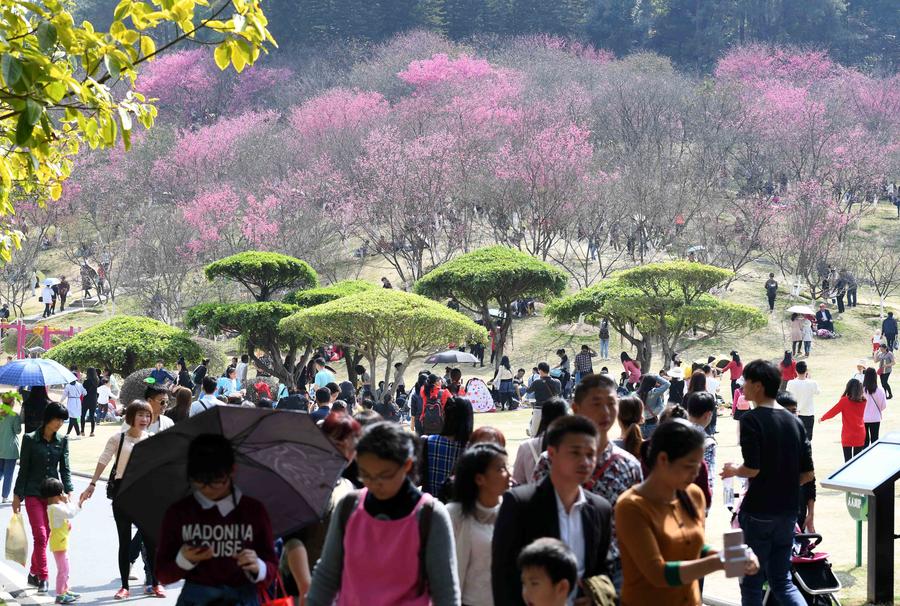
[(801, 367), (459, 419), (320, 361), (359, 369), (553, 557), (766, 374), (543, 367), (698, 403), (647, 383), (51, 487), (473, 461), (366, 416), (245, 358), (265, 403), (53, 411), (553, 409), (388, 441), (323, 395), (504, 362), (677, 438), (591, 382), (205, 362), (624, 357), (209, 385), (870, 380), (786, 400), (788, 358), (566, 425), (151, 391), (333, 387), (210, 458), (854, 391), (734, 356)]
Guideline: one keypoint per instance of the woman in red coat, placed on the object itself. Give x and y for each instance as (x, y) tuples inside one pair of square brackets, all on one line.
[(852, 407)]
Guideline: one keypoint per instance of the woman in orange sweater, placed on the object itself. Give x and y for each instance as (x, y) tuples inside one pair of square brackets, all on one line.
[(660, 524), (852, 407)]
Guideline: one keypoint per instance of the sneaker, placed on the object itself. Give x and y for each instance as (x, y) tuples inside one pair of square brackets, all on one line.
[(158, 591), (33, 580), (73, 594), (42, 586), (66, 599), (122, 594)]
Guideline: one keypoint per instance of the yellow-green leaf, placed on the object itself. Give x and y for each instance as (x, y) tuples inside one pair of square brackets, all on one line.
[(223, 54)]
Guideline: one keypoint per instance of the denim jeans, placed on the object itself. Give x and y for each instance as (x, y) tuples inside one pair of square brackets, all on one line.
[(604, 348), (196, 594), (7, 470), (771, 537)]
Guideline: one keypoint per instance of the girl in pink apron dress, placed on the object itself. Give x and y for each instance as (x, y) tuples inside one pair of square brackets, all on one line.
[(394, 542)]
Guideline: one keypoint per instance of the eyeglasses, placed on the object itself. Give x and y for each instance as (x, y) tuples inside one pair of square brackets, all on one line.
[(380, 478)]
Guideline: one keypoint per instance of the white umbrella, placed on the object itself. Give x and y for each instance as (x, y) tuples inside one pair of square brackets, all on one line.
[(51, 282), (801, 309), (452, 356)]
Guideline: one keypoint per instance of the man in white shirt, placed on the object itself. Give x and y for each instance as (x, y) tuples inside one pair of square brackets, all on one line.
[(804, 389), (207, 400), (241, 369)]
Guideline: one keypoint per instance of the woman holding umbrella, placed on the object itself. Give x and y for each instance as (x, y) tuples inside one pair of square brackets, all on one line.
[(138, 416), (45, 454)]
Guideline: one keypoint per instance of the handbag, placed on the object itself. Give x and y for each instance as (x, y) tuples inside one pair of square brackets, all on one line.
[(112, 484), (16, 541), (601, 590), (265, 599)]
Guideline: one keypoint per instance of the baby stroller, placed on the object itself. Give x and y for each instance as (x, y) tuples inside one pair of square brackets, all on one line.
[(811, 573)]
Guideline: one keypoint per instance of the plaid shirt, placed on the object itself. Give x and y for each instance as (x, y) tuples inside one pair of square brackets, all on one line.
[(583, 362), (618, 476), (709, 455), (442, 455)]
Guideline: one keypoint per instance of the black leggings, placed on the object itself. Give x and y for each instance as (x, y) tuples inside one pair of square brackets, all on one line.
[(872, 432), (851, 451), (884, 384), (73, 423), (148, 550), (84, 413)]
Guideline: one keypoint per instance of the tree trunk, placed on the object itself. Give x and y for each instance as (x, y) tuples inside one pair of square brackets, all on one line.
[(645, 355)]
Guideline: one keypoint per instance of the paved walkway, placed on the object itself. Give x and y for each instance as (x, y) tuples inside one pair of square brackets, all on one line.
[(92, 559)]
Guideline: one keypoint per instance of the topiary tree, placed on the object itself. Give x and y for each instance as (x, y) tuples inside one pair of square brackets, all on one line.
[(324, 294), (385, 323), (263, 273), (258, 326), (660, 303), (126, 343), (493, 274)]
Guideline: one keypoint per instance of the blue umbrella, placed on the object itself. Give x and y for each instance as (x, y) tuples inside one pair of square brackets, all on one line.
[(34, 371)]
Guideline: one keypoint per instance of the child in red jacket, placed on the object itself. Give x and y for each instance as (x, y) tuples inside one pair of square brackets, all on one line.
[(219, 541)]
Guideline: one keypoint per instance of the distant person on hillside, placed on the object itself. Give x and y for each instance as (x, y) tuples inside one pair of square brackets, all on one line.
[(771, 291), (889, 330), (885, 359), (385, 283), (824, 320), (62, 289)]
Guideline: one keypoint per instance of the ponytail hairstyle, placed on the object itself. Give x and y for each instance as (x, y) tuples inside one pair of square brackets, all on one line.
[(630, 416), (648, 382), (677, 438), (736, 358), (788, 359)]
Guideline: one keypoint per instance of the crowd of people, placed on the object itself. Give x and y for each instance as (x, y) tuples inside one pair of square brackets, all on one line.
[(607, 499)]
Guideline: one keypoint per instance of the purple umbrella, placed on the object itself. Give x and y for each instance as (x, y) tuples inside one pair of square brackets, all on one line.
[(283, 460)]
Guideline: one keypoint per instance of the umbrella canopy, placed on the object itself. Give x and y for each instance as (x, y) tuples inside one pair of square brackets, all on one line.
[(51, 281), (34, 371), (696, 249), (451, 356), (806, 310), (283, 460)]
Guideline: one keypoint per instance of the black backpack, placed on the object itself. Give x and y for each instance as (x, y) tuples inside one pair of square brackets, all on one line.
[(433, 413)]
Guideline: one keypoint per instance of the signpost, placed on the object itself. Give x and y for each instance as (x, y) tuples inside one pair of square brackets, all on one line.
[(858, 507), (872, 474)]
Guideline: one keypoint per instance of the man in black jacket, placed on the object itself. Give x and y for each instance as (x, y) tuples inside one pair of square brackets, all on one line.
[(557, 507)]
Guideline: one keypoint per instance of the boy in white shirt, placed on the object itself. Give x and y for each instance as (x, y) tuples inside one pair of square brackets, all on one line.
[(804, 389)]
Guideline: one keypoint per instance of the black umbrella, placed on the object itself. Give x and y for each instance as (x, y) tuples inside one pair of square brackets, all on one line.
[(282, 458), (451, 356)]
